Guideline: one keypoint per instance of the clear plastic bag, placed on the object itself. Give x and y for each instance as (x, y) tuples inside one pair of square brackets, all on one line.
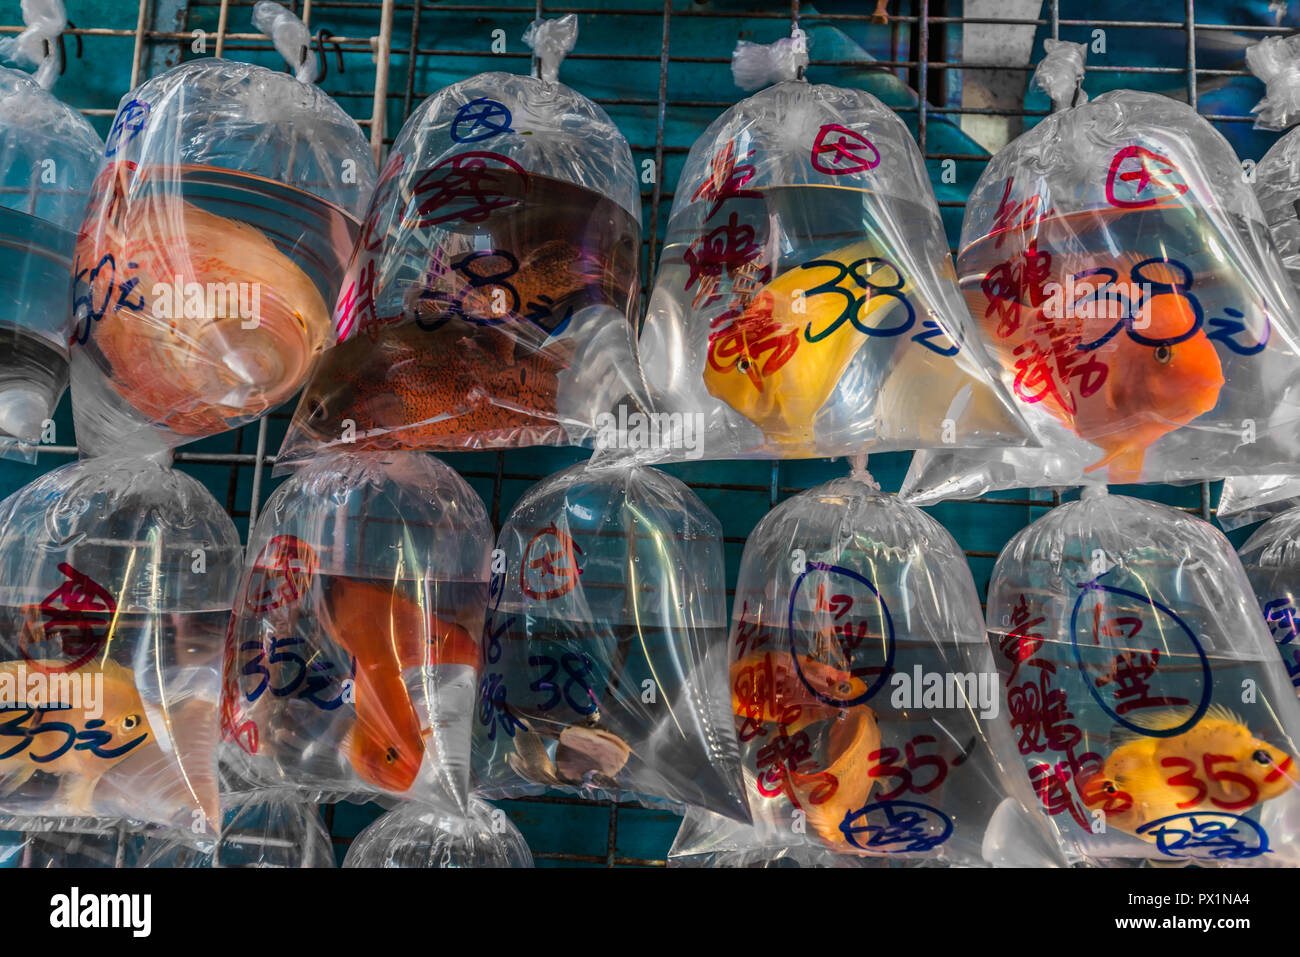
[(1247, 499), (1120, 270), (788, 856), (1252, 498), (866, 701), (261, 830), (1271, 558), (116, 584), (49, 156), (490, 300), (605, 646), (352, 659), (206, 266), (417, 835), (806, 303), (1154, 718)]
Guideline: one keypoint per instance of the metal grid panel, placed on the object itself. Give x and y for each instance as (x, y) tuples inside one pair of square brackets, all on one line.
[(390, 40)]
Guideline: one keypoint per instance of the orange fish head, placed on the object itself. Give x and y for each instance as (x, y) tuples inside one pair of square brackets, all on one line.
[(384, 759), (1098, 791), (1182, 379), (1272, 769)]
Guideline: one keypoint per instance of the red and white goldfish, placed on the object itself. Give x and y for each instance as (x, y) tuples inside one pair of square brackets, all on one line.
[(387, 632), (1216, 765), (779, 359), (1122, 364)]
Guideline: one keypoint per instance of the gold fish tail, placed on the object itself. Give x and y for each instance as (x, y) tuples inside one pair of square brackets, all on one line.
[(1125, 465), (20, 776)]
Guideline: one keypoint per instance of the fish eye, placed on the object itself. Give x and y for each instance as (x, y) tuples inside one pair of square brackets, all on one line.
[(1262, 757), (742, 366), (131, 722), (1163, 355), (390, 756), (1109, 788)]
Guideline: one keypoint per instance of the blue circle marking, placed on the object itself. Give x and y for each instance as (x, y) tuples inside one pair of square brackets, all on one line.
[(1207, 677), (485, 118), (893, 816), (131, 119), (889, 636), (1216, 835)]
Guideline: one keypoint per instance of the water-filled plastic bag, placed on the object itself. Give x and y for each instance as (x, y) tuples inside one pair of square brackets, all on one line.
[(49, 155), (420, 836), (870, 714), (352, 659), (1122, 274), (490, 298), (605, 646), (806, 303), (261, 830), (1152, 713), (116, 584), (207, 264)]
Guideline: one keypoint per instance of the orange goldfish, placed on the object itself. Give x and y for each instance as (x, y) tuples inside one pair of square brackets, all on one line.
[(386, 632), (1217, 765), (853, 740), (196, 362), (62, 739), (1119, 388), (766, 689), (762, 363)]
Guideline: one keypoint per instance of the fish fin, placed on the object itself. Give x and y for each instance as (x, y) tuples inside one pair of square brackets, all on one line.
[(75, 792), (531, 761), (16, 780), (1221, 712), (1158, 721), (1124, 464)]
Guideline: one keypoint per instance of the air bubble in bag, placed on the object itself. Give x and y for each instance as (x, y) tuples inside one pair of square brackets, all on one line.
[(417, 836), (1154, 718), (806, 303), (490, 299), (352, 660), (116, 583), (605, 646), (209, 259), (870, 714), (1121, 272)]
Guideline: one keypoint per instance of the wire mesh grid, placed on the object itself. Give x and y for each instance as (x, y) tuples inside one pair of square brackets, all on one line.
[(379, 59)]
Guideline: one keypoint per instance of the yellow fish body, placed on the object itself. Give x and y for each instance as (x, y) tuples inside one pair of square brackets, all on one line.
[(1217, 766), (62, 739), (779, 360)]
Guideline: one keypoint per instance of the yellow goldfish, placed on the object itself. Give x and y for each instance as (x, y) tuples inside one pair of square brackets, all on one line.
[(1216, 766), (56, 735), (778, 360)]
